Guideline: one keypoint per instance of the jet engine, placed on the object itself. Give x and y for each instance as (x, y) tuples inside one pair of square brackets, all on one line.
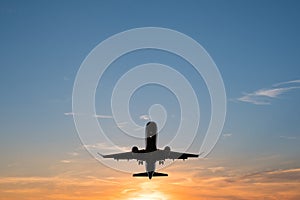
[(134, 149), (167, 150)]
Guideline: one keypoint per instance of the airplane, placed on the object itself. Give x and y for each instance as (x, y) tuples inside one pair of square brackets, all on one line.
[(151, 154)]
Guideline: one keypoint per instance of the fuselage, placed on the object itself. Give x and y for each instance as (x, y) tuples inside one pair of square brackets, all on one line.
[(150, 140), (151, 136)]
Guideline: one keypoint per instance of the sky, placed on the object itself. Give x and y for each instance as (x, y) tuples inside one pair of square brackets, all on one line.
[(254, 44)]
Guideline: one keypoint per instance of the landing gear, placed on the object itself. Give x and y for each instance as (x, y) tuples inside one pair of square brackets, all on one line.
[(161, 162)]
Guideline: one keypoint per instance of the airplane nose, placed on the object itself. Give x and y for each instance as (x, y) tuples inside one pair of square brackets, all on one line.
[(151, 123), (148, 123)]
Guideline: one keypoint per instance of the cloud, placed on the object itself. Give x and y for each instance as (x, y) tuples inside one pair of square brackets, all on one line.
[(74, 154), (272, 93), (288, 137), (284, 171), (287, 82), (272, 184), (272, 176), (128, 190), (216, 169), (104, 116), (69, 113), (105, 147), (227, 134), (66, 161), (122, 124), (145, 117), (96, 116), (264, 96)]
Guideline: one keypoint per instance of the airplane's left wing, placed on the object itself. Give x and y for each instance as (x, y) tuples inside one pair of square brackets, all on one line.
[(178, 155), (120, 156)]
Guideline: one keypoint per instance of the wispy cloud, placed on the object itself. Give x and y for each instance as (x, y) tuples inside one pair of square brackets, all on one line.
[(105, 147), (96, 115), (145, 117), (288, 137), (66, 78), (265, 95), (286, 82), (122, 124), (73, 154), (69, 113), (227, 134), (272, 184), (216, 169), (285, 171), (271, 176), (66, 161), (104, 116)]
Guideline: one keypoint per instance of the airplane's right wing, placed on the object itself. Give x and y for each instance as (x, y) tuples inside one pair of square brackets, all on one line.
[(120, 156), (178, 155)]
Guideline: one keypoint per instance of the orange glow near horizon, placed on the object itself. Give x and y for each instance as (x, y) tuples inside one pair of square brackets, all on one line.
[(278, 184), (195, 179)]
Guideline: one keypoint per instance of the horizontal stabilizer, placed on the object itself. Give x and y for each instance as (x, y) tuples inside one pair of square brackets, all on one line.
[(140, 174), (159, 174), (145, 174)]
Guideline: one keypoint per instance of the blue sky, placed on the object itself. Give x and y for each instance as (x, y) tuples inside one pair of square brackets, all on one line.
[(255, 45)]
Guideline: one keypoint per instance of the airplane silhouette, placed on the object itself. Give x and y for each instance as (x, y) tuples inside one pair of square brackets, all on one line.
[(150, 154)]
